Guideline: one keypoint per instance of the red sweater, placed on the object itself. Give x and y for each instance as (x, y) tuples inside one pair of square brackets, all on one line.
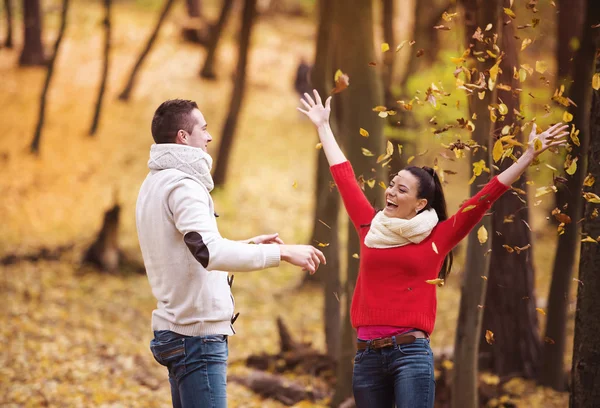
[(391, 288)]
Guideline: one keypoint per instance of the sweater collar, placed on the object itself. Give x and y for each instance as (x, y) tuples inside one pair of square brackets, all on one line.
[(190, 160)]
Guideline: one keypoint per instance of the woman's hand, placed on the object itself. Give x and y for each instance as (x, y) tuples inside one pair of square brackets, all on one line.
[(553, 136), (266, 239), (316, 112)]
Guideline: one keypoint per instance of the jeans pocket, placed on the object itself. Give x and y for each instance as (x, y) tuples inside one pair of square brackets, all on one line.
[(214, 339), (167, 353), (359, 355), (416, 348)]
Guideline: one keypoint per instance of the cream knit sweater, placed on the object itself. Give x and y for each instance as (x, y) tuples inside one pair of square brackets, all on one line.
[(174, 201)]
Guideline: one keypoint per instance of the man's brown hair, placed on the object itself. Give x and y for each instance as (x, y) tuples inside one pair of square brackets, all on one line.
[(170, 117)]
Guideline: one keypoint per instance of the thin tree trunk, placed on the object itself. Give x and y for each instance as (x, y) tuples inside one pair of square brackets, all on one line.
[(552, 373), (208, 69), (354, 24), (237, 95), (33, 49), (388, 57), (478, 13), (124, 96), (586, 345), (509, 310), (107, 29), (8, 42), (35, 144), (570, 23)]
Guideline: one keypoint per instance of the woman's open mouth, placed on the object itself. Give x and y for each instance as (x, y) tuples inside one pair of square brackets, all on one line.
[(390, 204)]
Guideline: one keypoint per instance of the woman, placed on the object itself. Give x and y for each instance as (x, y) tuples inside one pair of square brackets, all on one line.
[(403, 246)]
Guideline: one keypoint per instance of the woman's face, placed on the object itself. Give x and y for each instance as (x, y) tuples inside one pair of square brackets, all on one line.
[(401, 196)]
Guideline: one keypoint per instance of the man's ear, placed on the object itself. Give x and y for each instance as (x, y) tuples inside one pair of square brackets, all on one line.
[(181, 137)]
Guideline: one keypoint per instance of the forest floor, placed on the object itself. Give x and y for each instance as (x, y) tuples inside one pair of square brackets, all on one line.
[(75, 337)]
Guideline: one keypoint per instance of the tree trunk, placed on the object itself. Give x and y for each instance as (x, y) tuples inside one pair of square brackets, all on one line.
[(35, 144), (104, 252), (570, 23), (586, 345), (509, 310), (327, 202), (124, 96), (106, 62), (33, 49), (208, 70), (388, 57), (353, 22), (478, 13), (192, 31), (8, 42), (552, 373), (237, 95)]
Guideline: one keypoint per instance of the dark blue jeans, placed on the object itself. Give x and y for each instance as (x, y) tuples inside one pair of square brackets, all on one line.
[(197, 368), (401, 375)]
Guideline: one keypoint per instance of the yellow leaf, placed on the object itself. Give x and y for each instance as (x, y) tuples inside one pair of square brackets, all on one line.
[(382, 185), (503, 109), (366, 152), (342, 81), (489, 337), (363, 132), (488, 378), (589, 180), (355, 256), (399, 47), (482, 235), (575, 136), (596, 81), (389, 150), (550, 167), (379, 108), (488, 27), (540, 310), (319, 146), (526, 43), (537, 144), (385, 47), (468, 208), (589, 239), (591, 198), (322, 245), (522, 75), (572, 167), (508, 248), (295, 184), (541, 66), (434, 248), (510, 13), (410, 159), (567, 117), (371, 183), (544, 190), (438, 281), (448, 16), (447, 365), (383, 114), (338, 74)]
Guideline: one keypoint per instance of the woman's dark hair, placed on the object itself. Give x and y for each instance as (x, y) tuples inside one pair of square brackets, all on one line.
[(430, 188)]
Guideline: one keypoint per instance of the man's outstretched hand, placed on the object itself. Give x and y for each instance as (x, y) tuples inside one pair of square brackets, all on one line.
[(266, 239), (305, 256)]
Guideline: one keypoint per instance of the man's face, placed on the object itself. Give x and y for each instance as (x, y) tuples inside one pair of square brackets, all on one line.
[(199, 136)]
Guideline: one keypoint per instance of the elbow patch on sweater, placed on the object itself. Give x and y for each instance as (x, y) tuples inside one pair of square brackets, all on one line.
[(197, 247)]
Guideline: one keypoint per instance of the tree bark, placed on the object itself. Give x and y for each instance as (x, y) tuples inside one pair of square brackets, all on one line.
[(194, 11), (208, 69), (388, 57), (33, 49), (104, 251), (106, 63), (478, 13), (354, 23), (586, 345), (552, 373), (510, 305), (8, 42), (327, 202), (570, 23), (237, 96), (35, 144), (124, 96)]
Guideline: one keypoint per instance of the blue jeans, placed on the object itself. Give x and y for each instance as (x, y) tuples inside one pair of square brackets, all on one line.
[(402, 374), (197, 368)]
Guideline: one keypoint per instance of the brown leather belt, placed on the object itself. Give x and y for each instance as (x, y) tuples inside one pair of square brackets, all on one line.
[(389, 341)]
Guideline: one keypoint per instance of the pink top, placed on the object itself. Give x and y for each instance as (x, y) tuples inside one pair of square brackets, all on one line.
[(376, 332)]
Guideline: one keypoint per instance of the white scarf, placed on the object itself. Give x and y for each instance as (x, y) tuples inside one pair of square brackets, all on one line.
[(389, 232), (191, 160)]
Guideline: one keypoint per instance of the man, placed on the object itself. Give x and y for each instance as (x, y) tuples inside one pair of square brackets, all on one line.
[(184, 254)]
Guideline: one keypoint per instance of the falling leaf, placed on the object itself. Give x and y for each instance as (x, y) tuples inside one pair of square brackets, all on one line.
[(522, 75), (482, 235), (401, 45), (371, 183), (322, 245), (503, 109), (489, 337), (589, 180), (366, 152), (295, 184), (382, 114), (385, 47), (541, 66), (596, 81), (447, 365), (363, 132), (438, 281), (572, 167), (410, 159), (508, 248), (544, 190), (468, 208), (589, 239), (382, 185), (567, 117), (448, 16), (526, 43), (379, 108), (574, 135), (355, 256), (540, 310), (434, 248), (372, 64), (510, 13), (537, 144), (342, 81), (420, 53), (560, 217), (323, 222), (319, 146), (591, 198), (549, 340), (441, 27), (488, 27)]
